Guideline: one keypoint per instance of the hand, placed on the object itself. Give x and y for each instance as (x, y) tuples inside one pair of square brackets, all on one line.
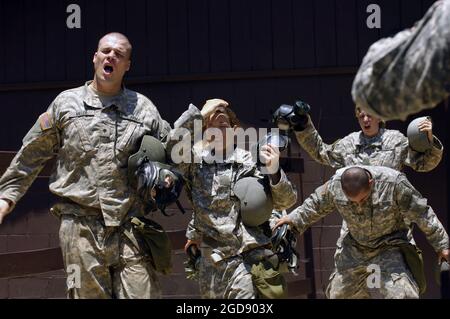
[(283, 220), (189, 243), (270, 156), (444, 254), (4, 209), (211, 106), (427, 126)]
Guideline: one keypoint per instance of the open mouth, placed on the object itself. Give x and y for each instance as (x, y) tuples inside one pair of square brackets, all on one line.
[(108, 69), (222, 119), (224, 124)]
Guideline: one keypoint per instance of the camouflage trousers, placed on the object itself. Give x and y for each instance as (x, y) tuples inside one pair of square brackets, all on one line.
[(228, 278), (102, 263), (381, 274)]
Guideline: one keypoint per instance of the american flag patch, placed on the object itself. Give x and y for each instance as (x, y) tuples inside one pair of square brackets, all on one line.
[(45, 121)]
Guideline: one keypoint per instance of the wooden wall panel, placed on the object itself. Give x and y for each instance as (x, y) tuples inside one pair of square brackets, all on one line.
[(34, 40), (180, 95), (199, 49), (346, 33), (304, 34), (244, 98), (261, 34), (157, 45), (325, 32), (411, 11), (14, 36), (13, 129), (283, 34), (136, 26), (2, 39), (365, 36), (115, 16), (178, 49), (391, 12), (426, 4), (55, 35), (240, 35), (75, 46), (219, 36), (95, 22)]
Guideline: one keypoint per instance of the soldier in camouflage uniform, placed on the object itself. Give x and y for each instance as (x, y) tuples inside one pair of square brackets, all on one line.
[(409, 72), (375, 202), (216, 226), (93, 130), (373, 145)]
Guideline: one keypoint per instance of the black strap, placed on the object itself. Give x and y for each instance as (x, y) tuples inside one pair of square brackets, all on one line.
[(180, 207)]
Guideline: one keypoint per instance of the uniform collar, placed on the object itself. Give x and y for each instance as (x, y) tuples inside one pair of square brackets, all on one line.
[(92, 99), (375, 140)]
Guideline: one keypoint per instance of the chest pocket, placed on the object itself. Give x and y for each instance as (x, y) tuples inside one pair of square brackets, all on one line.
[(385, 158), (130, 135), (375, 155), (222, 183), (348, 212), (75, 132), (384, 214)]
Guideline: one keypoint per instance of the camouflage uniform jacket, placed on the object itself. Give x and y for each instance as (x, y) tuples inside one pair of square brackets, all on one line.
[(380, 220), (409, 72), (216, 220), (389, 148), (92, 143)]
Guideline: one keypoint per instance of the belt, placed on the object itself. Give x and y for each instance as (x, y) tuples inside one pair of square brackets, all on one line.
[(68, 207)]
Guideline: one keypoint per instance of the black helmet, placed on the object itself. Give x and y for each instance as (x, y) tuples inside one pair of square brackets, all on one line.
[(283, 244), (158, 184)]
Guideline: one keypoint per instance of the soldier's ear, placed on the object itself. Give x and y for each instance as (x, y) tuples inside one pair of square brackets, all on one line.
[(371, 182)]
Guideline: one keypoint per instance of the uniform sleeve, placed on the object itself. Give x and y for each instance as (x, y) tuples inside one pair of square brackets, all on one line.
[(416, 209), (181, 139), (164, 130), (192, 232), (326, 154), (159, 127), (425, 162), (38, 146), (409, 72), (276, 215), (315, 207), (284, 193)]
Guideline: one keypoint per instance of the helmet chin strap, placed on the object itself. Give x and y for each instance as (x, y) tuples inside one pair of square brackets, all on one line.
[(283, 243)]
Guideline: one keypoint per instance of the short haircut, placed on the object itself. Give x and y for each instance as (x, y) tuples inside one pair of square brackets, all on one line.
[(354, 180), (119, 35)]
